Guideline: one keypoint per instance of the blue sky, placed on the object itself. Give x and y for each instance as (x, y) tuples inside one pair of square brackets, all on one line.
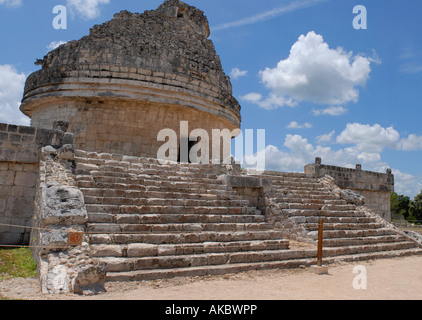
[(299, 69)]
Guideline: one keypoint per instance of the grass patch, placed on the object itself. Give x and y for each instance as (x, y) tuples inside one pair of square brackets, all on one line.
[(17, 263)]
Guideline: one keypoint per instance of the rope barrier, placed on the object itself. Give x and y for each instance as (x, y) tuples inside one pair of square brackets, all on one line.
[(23, 227), (24, 246)]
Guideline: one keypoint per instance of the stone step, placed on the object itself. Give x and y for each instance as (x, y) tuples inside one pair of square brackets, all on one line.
[(351, 219), (210, 270), (184, 238), (169, 218), (126, 264), (337, 207), (297, 185), (304, 206), (278, 175), (321, 214), (353, 233), (202, 271), (305, 193), (339, 242), (149, 201), (304, 200), (169, 186), (160, 209), (368, 248), (130, 178), (196, 260), (117, 162), (299, 189), (343, 226), (156, 192), (174, 227), (139, 250)]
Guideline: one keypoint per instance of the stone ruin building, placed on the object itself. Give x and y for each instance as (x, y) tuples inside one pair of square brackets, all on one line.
[(88, 167)]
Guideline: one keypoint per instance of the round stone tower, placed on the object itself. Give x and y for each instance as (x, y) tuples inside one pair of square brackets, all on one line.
[(130, 78)]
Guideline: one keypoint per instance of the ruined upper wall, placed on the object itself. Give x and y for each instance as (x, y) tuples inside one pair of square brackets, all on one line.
[(134, 55), (375, 187), (356, 179)]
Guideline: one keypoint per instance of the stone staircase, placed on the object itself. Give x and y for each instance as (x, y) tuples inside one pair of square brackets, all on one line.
[(349, 233), (150, 221)]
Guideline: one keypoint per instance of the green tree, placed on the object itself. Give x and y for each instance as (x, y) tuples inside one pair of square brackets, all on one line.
[(415, 208), (400, 205)]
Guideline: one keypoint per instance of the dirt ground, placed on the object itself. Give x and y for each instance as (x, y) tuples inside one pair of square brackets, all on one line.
[(392, 279)]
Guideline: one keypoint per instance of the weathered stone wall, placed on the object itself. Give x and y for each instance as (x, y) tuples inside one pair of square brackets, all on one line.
[(375, 187), (19, 164), (124, 127)]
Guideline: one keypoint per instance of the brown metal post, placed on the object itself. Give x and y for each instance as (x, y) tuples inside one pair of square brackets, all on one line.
[(320, 239)]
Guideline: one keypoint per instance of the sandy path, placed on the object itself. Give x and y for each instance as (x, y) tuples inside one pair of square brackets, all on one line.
[(394, 279)]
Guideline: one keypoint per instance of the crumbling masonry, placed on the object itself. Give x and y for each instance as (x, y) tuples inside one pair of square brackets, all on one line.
[(88, 164)]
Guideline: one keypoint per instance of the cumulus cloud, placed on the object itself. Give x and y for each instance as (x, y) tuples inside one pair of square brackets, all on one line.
[(332, 111), (407, 184), (315, 73), (296, 125), (11, 90), (411, 143), (369, 139), (11, 3), (86, 9), (55, 44), (237, 73), (326, 138), (269, 103), (298, 152), (366, 144)]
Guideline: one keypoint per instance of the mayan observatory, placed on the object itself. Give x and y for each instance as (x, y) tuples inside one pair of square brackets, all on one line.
[(87, 188)]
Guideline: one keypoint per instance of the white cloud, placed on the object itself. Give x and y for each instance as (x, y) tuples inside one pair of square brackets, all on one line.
[(267, 15), (11, 3), (411, 143), (296, 125), (369, 139), (315, 73), (55, 44), (406, 184), (298, 152), (332, 111), (11, 90), (270, 103), (237, 73), (326, 138), (86, 9)]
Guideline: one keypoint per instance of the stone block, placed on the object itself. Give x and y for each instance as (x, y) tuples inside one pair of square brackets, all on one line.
[(7, 178), (27, 130), (142, 250), (28, 155), (25, 179), (12, 128), (319, 270), (63, 205)]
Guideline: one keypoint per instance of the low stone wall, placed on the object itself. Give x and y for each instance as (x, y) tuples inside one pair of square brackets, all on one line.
[(19, 165), (62, 267), (375, 187)]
